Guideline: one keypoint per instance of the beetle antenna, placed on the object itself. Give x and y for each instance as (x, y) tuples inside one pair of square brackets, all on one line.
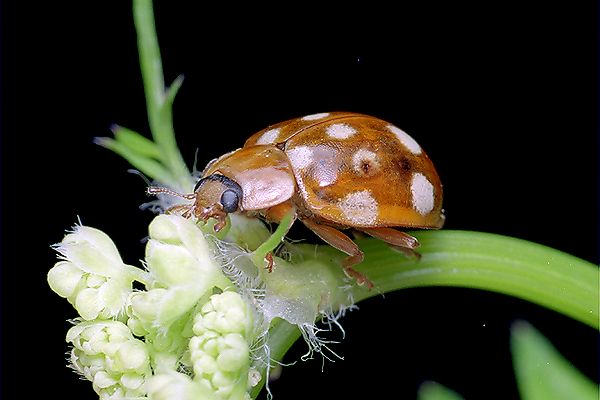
[(138, 173), (154, 190)]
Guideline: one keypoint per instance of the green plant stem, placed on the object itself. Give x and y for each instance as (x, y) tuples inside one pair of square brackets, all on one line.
[(158, 99), (501, 264), (511, 266), (273, 241)]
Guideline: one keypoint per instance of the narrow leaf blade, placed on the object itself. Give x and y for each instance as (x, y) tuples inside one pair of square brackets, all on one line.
[(136, 142), (434, 391), (542, 372), (145, 165)]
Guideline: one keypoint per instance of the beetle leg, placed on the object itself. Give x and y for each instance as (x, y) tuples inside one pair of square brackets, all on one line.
[(397, 239), (340, 241), (269, 260), (215, 211), (184, 209)]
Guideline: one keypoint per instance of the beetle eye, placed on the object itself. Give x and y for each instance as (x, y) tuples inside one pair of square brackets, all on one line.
[(229, 201)]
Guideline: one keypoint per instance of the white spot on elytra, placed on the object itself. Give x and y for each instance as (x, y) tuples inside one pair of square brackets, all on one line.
[(362, 158), (422, 194), (325, 168), (300, 157), (360, 208), (325, 176), (269, 137), (405, 139), (340, 131), (313, 117)]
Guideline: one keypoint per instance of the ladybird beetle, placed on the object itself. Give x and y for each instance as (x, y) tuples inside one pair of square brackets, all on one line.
[(332, 171)]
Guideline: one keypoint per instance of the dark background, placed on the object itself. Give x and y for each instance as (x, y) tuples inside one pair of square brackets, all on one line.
[(502, 95)]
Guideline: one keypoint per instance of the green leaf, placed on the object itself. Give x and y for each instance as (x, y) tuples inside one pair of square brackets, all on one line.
[(136, 142), (542, 373), (147, 166), (173, 89), (434, 391)]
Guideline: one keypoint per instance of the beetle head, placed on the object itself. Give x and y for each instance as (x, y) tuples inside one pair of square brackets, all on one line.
[(216, 196)]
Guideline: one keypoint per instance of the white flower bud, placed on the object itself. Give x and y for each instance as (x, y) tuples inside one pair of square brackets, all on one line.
[(88, 304), (178, 254), (103, 380), (171, 265), (93, 278), (163, 306), (64, 278), (131, 356), (178, 386), (179, 261), (174, 229), (220, 352), (91, 250), (224, 381), (233, 352), (144, 305), (225, 312), (205, 365), (131, 381)]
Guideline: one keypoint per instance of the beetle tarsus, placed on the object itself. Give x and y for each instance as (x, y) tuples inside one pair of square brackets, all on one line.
[(360, 278), (270, 262), (410, 253), (185, 210), (215, 211), (221, 222)]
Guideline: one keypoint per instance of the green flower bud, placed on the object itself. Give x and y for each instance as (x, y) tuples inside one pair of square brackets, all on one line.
[(64, 278), (178, 386), (219, 351), (233, 352), (91, 250), (106, 353), (88, 304), (162, 307), (93, 278), (179, 261), (131, 381), (172, 265), (144, 305), (224, 313), (174, 229), (178, 254)]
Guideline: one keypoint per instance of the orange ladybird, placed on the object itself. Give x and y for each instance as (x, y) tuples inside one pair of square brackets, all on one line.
[(332, 171)]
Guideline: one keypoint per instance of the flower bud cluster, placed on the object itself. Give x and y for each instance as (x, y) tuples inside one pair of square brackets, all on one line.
[(176, 336), (106, 353), (91, 276), (191, 332), (181, 273), (220, 349)]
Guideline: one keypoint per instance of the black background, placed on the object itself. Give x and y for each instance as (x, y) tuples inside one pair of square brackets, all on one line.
[(502, 95)]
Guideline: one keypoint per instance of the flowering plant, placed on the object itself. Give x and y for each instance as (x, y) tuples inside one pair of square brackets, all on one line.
[(202, 319)]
